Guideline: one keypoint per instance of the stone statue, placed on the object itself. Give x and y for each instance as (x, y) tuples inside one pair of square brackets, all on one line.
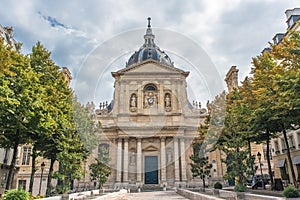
[(133, 101), (209, 107), (167, 101)]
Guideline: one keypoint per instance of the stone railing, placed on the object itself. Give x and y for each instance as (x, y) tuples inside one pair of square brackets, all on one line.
[(223, 194), (83, 195), (195, 195)]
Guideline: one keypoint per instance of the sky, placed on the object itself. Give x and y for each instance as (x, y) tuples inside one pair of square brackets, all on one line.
[(96, 37)]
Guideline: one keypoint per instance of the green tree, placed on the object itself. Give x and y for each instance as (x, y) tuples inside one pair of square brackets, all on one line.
[(234, 140), (286, 83), (200, 166), (100, 170), (86, 126), (55, 109), (56, 137), (18, 102), (275, 86)]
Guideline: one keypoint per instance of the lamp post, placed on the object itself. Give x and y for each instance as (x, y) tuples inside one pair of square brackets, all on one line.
[(41, 179), (259, 159)]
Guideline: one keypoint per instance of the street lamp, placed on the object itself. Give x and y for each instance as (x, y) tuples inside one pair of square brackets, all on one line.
[(41, 179), (259, 159)]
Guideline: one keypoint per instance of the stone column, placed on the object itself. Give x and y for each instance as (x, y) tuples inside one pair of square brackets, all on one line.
[(183, 163), (163, 159), (140, 98), (296, 140), (139, 160), (125, 163), (176, 160), (127, 97), (161, 98), (119, 160)]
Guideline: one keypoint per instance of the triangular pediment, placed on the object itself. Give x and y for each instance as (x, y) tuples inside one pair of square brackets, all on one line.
[(150, 148), (150, 66)]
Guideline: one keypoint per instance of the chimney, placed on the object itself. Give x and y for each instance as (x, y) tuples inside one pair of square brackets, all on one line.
[(232, 78)]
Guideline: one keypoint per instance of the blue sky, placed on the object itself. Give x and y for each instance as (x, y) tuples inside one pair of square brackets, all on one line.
[(93, 38)]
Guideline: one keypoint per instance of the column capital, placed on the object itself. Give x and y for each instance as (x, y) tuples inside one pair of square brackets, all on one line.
[(163, 138)]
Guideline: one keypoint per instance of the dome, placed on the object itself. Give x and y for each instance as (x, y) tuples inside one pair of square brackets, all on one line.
[(149, 50)]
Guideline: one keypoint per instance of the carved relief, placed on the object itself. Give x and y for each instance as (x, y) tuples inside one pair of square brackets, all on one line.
[(169, 155), (150, 96)]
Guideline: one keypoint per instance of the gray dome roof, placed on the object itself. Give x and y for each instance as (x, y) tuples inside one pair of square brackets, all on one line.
[(149, 50)]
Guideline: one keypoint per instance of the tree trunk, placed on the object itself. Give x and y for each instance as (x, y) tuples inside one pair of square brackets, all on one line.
[(33, 155), (269, 160), (289, 154), (49, 179), (250, 155), (203, 182), (13, 162)]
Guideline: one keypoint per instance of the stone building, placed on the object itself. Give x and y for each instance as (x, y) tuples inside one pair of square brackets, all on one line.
[(149, 127)]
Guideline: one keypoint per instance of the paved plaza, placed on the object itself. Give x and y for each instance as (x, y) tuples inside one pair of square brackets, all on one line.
[(157, 195)]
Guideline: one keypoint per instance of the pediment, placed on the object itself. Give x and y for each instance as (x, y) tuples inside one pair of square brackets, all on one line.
[(150, 148), (149, 67)]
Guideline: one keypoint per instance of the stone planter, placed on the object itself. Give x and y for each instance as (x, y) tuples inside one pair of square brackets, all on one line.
[(240, 195), (216, 192)]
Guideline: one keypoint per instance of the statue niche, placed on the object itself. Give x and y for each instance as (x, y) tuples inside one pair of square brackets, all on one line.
[(133, 102), (168, 103)]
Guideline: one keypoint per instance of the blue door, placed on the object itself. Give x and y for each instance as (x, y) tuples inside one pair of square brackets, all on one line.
[(151, 170)]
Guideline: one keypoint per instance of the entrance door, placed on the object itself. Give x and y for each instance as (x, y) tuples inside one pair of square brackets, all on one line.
[(151, 170)]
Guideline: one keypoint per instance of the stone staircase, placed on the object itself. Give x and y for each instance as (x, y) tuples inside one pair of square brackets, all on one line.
[(151, 187)]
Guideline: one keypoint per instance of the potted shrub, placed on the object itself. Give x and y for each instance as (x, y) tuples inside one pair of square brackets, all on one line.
[(291, 192), (16, 194), (239, 188), (217, 186)]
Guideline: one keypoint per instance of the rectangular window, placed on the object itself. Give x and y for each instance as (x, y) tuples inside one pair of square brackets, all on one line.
[(22, 184), (277, 151), (298, 171), (291, 141), (283, 146), (265, 153), (26, 155)]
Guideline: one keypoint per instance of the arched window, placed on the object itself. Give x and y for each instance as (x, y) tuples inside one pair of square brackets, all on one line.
[(150, 87), (150, 95)]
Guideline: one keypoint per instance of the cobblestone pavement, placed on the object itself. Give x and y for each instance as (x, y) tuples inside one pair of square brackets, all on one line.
[(157, 195)]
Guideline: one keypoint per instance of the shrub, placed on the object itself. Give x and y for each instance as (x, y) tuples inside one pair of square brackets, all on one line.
[(218, 185), (239, 188), (16, 195), (291, 192)]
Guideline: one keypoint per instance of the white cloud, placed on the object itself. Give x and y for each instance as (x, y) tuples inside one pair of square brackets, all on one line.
[(231, 32)]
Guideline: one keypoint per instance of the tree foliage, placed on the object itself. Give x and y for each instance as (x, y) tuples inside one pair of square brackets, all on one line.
[(36, 108), (100, 170), (200, 166), (234, 139)]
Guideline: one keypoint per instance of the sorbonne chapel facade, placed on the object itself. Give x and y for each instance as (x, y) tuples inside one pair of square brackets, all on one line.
[(150, 126)]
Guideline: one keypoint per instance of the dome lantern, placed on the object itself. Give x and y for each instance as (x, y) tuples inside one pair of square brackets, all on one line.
[(149, 50)]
